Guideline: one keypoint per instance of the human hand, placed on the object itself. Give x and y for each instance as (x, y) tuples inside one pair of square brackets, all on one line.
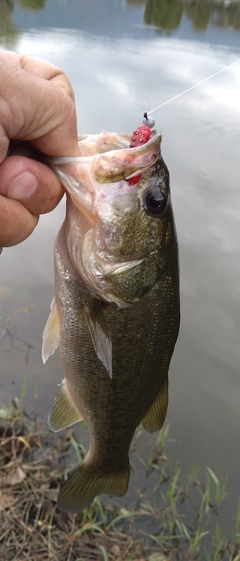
[(37, 106)]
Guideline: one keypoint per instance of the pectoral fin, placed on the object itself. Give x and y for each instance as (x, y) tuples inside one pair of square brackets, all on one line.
[(102, 343), (63, 413), (155, 417), (51, 333)]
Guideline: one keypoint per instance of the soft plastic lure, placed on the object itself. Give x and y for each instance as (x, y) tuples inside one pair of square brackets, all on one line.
[(140, 136)]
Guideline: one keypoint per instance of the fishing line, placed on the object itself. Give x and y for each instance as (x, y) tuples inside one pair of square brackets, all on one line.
[(195, 86)]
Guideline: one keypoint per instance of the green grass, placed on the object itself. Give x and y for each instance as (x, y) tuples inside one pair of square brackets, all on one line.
[(184, 512)]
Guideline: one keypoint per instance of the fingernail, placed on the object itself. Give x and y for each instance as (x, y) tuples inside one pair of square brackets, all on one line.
[(22, 186)]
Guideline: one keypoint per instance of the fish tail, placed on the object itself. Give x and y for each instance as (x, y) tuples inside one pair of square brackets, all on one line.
[(86, 482)]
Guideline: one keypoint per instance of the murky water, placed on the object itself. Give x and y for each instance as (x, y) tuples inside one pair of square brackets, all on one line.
[(122, 58)]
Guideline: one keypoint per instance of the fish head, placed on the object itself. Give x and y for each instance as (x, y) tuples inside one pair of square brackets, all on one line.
[(119, 222)]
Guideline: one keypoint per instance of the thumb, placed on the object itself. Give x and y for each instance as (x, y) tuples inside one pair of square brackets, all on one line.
[(30, 182)]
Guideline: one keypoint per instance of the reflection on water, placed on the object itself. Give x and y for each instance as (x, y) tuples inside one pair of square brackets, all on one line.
[(167, 14), (31, 4), (136, 2), (220, 14), (8, 31)]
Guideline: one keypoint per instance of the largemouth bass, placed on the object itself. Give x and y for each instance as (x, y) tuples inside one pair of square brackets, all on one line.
[(115, 316)]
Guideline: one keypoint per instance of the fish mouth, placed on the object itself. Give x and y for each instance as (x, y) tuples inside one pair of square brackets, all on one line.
[(123, 164), (103, 159)]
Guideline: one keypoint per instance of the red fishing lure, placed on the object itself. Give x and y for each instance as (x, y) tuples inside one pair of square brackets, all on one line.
[(140, 136)]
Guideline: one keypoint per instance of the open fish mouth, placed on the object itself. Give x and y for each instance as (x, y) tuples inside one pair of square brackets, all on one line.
[(104, 158)]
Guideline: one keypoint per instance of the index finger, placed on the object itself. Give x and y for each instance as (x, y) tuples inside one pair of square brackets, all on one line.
[(41, 108), (39, 68)]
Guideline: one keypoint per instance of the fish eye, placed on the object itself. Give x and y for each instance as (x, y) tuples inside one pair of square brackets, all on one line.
[(155, 201)]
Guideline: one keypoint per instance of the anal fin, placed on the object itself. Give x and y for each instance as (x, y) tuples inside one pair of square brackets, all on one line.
[(155, 417), (63, 413)]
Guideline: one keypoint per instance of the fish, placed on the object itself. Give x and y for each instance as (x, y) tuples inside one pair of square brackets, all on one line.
[(115, 315)]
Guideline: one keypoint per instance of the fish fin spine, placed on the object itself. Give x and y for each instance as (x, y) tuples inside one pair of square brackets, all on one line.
[(86, 482)]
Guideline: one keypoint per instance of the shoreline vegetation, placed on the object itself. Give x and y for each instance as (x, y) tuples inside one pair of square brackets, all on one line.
[(34, 463), (165, 15)]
